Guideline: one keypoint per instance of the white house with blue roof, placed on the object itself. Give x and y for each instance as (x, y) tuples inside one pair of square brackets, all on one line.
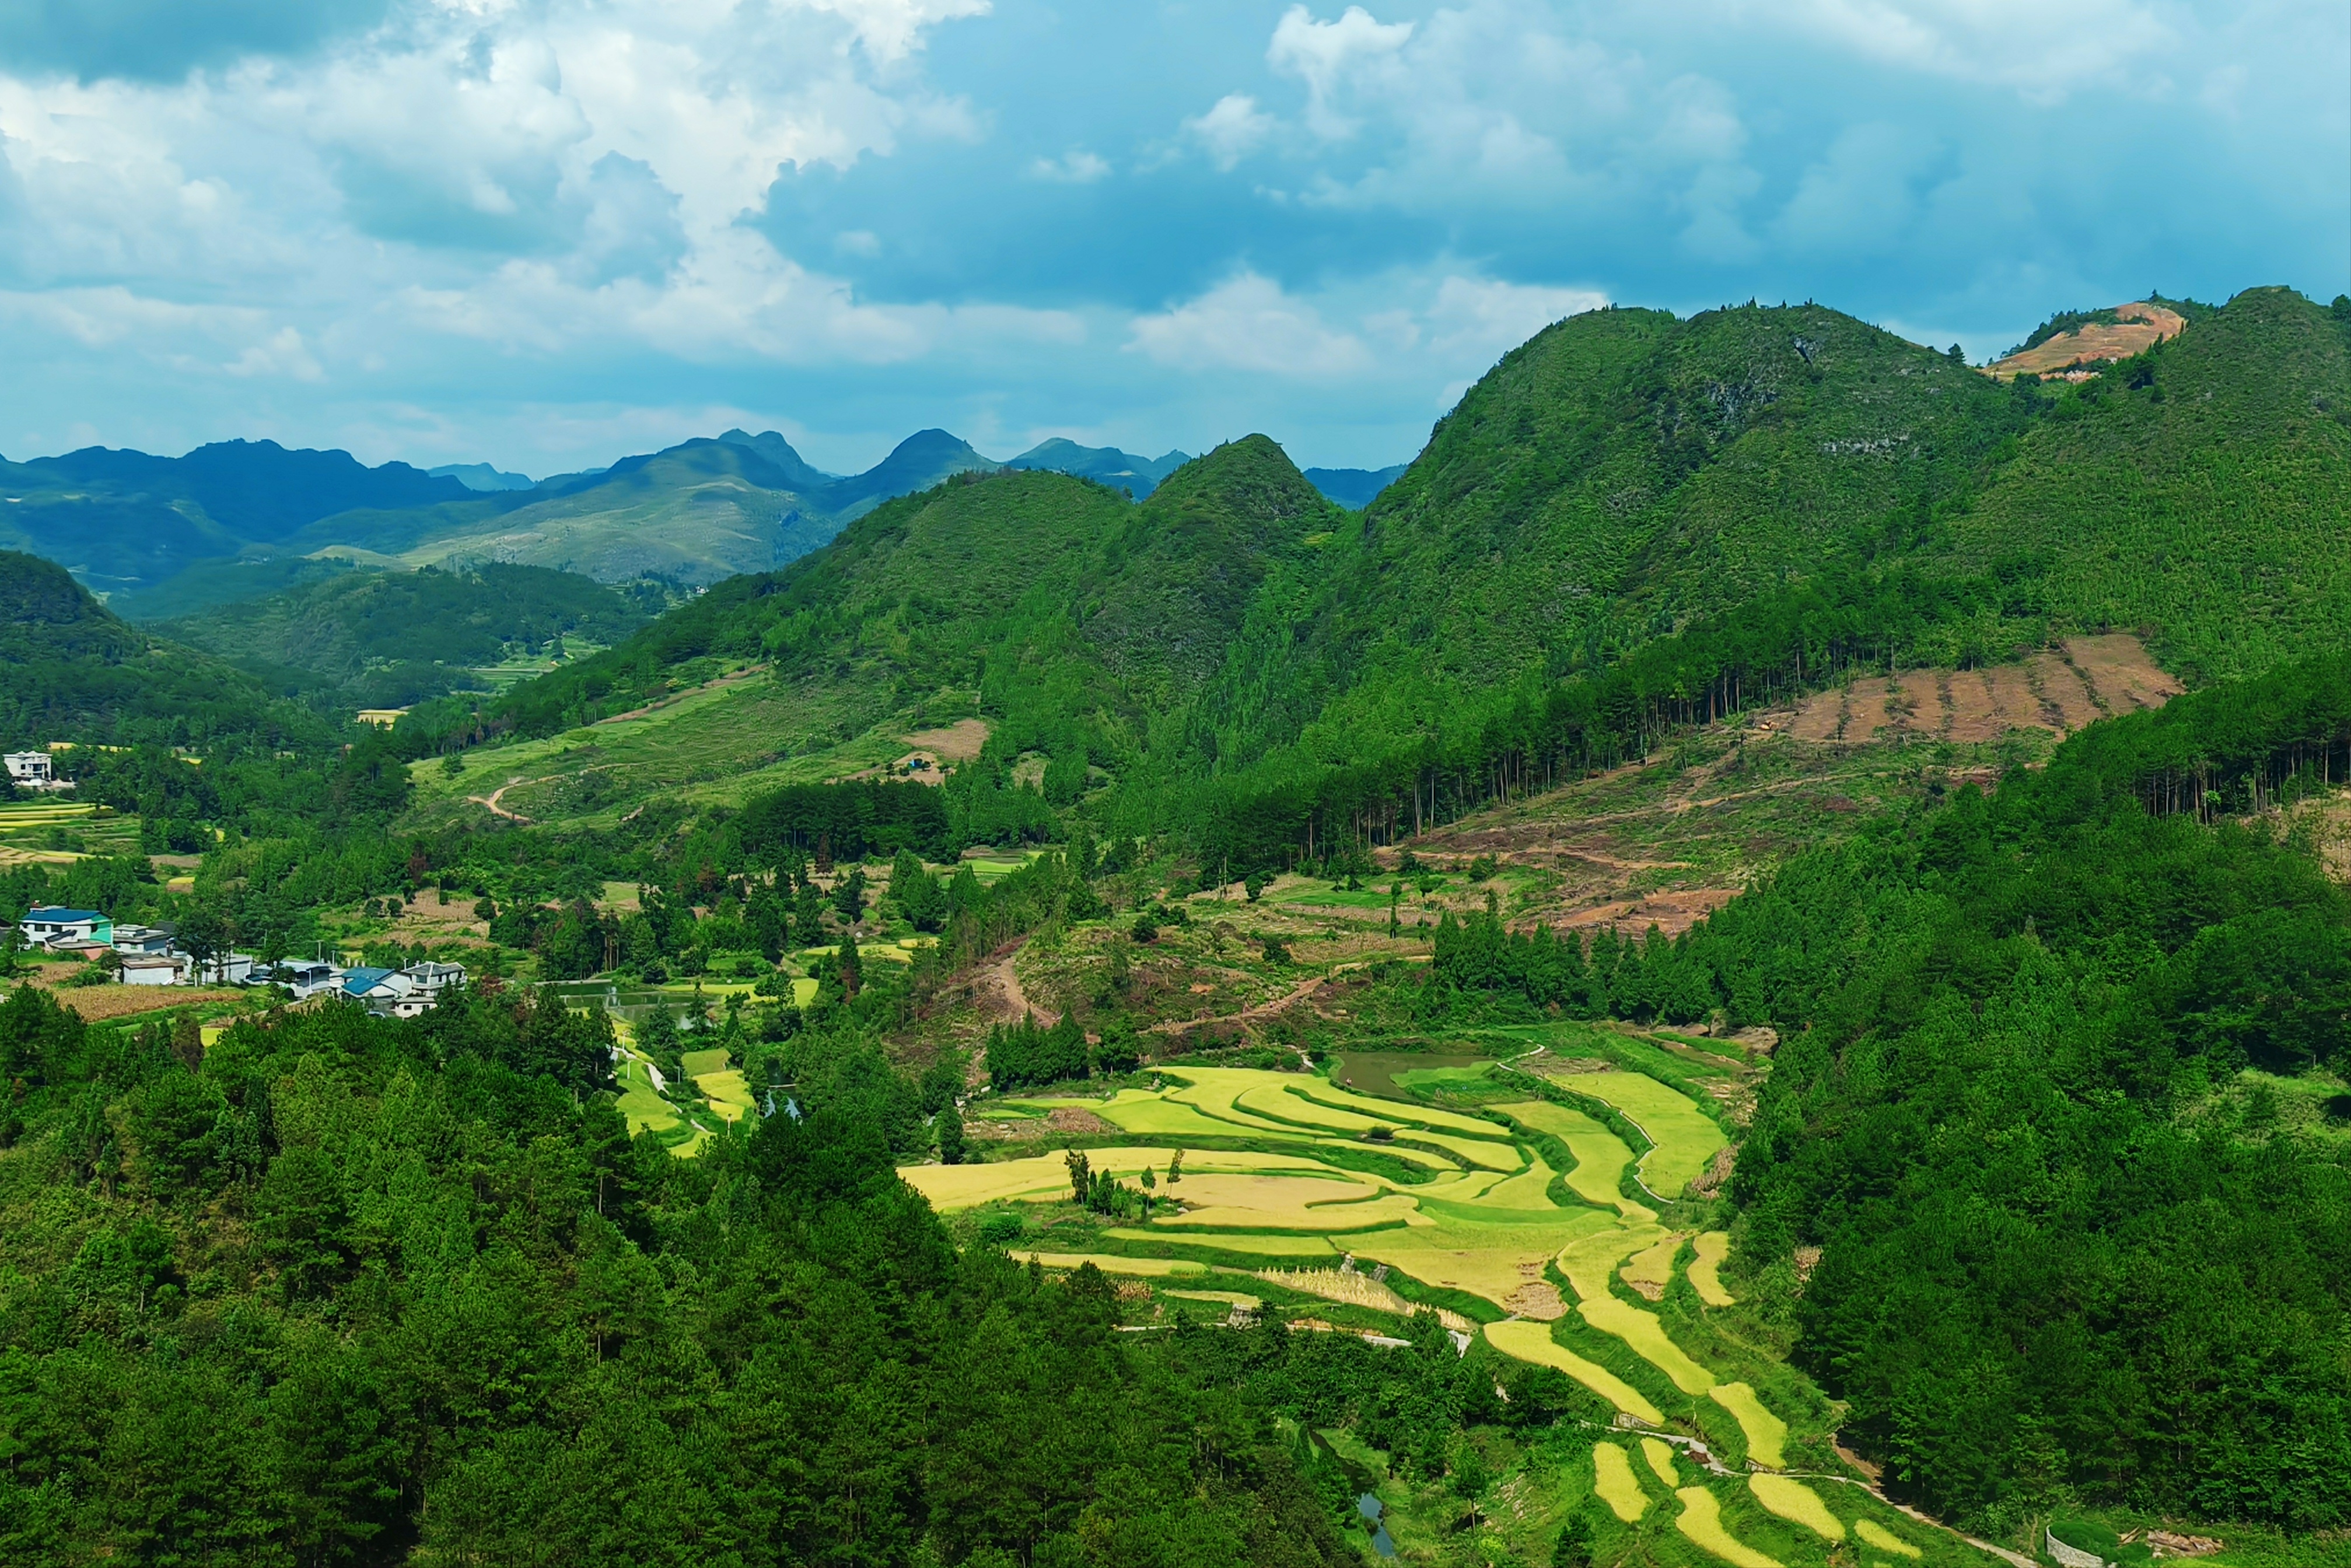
[(381, 990), (48, 925)]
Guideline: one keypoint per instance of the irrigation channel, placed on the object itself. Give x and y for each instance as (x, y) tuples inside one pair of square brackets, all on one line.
[(1551, 1215)]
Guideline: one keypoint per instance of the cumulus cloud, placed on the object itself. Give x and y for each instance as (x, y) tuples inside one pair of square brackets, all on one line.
[(1249, 323), (1337, 58), (1075, 167), (2041, 50), (1232, 129), (1473, 316)]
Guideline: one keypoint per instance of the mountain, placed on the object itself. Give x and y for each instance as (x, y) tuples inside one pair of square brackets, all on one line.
[(482, 476), (1104, 464), (780, 455), (694, 513), (917, 463), (2201, 490), (1354, 488), (369, 638), (76, 672), (123, 520)]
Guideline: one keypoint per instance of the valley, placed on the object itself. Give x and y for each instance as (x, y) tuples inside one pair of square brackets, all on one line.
[(1745, 963)]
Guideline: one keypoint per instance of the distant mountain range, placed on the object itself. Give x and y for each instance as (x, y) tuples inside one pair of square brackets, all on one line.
[(161, 536)]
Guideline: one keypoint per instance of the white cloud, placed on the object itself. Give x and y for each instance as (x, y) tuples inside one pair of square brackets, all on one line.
[(1248, 323), (1076, 167), (1334, 58), (1473, 316), (1423, 324), (2041, 50), (1232, 129)]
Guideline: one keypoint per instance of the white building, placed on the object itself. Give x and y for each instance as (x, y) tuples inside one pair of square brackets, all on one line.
[(35, 769), (309, 979), (226, 969), (158, 970), (145, 941), (381, 989), (48, 925)]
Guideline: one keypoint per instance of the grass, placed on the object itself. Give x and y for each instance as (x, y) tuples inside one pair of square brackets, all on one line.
[(1613, 1480), (1227, 1298), (1240, 1242), (1601, 1156), (1112, 1263), (1531, 1342), (729, 1096), (1294, 1183), (1792, 1500), (1654, 1265), (697, 1062), (1705, 1277), (1701, 1520)]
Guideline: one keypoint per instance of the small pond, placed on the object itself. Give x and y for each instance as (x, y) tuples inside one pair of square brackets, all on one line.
[(1371, 1508)]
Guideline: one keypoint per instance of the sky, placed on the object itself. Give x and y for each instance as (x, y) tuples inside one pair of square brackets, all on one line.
[(543, 233)]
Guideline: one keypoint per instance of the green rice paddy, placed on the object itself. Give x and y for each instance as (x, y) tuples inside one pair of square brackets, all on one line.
[(1284, 1170)]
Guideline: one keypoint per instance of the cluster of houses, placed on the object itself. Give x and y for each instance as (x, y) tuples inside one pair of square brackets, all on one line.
[(149, 958)]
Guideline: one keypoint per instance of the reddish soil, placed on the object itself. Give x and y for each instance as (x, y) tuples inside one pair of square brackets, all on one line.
[(2117, 666), (2058, 690), (2143, 326), (2062, 689)]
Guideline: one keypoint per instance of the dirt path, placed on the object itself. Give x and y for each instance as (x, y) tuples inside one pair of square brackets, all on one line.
[(492, 799), (676, 697), (1008, 982)]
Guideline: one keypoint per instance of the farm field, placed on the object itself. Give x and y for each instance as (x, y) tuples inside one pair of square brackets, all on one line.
[(1533, 1228)]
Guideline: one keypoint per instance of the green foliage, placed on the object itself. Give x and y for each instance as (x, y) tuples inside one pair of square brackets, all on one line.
[(77, 672), (1027, 1054), (357, 634), (2048, 1262), (467, 1317)]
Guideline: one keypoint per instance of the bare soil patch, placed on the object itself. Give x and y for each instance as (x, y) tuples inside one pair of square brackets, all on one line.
[(959, 742), (2069, 353), (2065, 699), (2119, 671)]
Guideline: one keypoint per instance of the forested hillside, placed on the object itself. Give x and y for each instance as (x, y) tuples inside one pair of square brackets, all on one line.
[(77, 673), (1631, 519), (376, 639), (1676, 990)]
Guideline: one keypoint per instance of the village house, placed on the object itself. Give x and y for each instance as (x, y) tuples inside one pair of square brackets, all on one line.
[(145, 941), (51, 926), (309, 979), (157, 969), (381, 990), (34, 770)]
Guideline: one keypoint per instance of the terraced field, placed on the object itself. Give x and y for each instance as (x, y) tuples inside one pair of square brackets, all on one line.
[(1561, 1242)]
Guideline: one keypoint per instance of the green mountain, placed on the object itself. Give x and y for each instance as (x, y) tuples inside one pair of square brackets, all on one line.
[(1354, 488), (2201, 491), (369, 638), (75, 672), (1138, 476), (123, 520)]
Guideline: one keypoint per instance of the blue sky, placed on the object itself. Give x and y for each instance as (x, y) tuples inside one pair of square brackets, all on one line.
[(545, 233)]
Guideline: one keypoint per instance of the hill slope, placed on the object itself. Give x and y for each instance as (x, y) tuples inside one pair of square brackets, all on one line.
[(76, 672), (2201, 490), (122, 520), (373, 638)]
